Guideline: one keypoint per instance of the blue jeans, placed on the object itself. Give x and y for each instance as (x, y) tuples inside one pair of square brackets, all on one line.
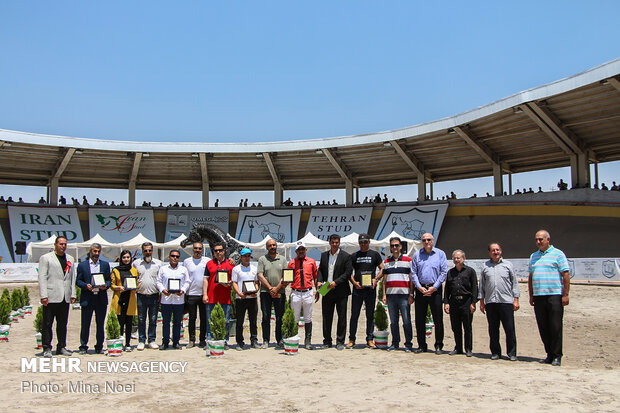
[(147, 305), (210, 307), (400, 303), (360, 297), (167, 310)]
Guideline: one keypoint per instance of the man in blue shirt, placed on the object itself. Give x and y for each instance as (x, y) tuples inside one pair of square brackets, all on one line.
[(549, 284), (428, 272)]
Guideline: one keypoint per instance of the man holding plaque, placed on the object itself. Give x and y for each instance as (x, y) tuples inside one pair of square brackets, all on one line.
[(93, 278), (147, 296), (272, 291), (245, 283), (429, 270), (335, 270), (301, 295), (57, 290), (364, 279), (216, 287), (172, 282), (196, 265)]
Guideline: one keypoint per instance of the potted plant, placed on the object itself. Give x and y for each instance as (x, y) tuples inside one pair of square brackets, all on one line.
[(16, 304), (38, 326), (381, 324), (289, 332), (429, 321), (6, 295), (114, 341), (5, 310), (78, 295), (217, 323), (26, 300)]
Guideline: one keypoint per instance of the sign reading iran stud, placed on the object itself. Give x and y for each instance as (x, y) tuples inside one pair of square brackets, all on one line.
[(342, 221), (33, 224), (412, 221), (119, 225)]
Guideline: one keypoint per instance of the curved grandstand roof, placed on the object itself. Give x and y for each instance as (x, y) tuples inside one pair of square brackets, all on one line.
[(532, 130)]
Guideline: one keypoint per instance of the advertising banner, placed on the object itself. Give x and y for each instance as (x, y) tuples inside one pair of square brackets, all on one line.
[(342, 221), (281, 225), (18, 272), (119, 225), (181, 222), (412, 221), (33, 224)]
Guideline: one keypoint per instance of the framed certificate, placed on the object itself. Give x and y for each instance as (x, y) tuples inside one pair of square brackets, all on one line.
[(249, 287), (366, 279), (288, 275), (97, 280), (174, 285), (130, 283), (221, 277)]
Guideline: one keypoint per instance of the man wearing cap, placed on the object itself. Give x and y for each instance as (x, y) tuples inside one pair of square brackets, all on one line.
[(217, 293), (272, 292), (305, 275), (429, 269), (365, 262), (335, 270), (196, 265), (245, 298)]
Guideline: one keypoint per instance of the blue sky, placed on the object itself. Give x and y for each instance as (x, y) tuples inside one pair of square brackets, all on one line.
[(279, 70)]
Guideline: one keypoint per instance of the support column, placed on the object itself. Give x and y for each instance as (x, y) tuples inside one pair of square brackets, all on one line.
[(278, 195), (348, 199), (357, 194), (205, 180), (132, 195), (509, 184), (52, 193), (430, 187), (579, 169), (596, 174), (421, 187), (498, 183)]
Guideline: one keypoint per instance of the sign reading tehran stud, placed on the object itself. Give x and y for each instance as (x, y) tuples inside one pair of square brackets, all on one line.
[(255, 225), (118, 225), (412, 222), (32, 224), (342, 221)]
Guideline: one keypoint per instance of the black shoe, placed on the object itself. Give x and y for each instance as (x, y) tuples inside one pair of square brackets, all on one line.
[(557, 361), (190, 344), (82, 351), (419, 350), (64, 352), (438, 351), (163, 347), (280, 345), (340, 347), (255, 345), (454, 352), (494, 356), (469, 353), (240, 346), (99, 351), (547, 360), (328, 345), (202, 344), (176, 346)]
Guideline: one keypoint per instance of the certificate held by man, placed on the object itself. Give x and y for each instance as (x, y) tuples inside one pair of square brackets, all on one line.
[(288, 275), (222, 277), (174, 285), (97, 280), (366, 279)]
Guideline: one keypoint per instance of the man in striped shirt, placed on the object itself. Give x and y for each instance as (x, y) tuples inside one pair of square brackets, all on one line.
[(398, 293), (549, 284)]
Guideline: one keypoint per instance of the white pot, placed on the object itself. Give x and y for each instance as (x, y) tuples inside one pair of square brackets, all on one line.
[(115, 347), (4, 332), (27, 309), (215, 348), (381, 338), (291, 345), (429, 328), (39, 338)]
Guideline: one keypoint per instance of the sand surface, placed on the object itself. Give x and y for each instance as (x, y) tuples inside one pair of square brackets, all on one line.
[(343, 381)]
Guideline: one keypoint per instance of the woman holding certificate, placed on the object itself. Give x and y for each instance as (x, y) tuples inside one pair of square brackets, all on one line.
[(245, 282), (124, 284)]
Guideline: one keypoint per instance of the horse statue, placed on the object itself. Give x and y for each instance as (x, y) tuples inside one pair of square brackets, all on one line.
[(213, 234)]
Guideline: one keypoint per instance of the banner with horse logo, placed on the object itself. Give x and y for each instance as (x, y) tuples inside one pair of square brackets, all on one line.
[(119, 225), (255, 225), (412, 221)]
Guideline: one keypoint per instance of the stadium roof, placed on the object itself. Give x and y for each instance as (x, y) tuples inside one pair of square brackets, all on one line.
[(569, 122)]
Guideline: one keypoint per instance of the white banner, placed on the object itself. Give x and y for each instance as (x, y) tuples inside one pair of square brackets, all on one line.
[(19, 272), (32, 224), (280, 224), (181, 222), (119, 225), (412, 221), (581, 269), (342, 221)]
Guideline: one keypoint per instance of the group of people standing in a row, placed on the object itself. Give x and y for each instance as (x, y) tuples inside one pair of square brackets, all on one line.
[(201, 283)]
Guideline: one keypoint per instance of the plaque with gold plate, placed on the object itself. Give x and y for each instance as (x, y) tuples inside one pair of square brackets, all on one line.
[(288, 275), (221, 277), (366, 279)]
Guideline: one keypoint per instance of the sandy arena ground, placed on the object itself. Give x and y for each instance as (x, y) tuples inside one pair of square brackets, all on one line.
[(347, 381)]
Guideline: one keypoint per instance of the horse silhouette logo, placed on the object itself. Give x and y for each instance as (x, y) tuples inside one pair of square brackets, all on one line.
[(272, 229), (408, 229)]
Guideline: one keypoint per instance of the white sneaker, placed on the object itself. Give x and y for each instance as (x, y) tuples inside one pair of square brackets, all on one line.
[(140, 346), (153, 345)]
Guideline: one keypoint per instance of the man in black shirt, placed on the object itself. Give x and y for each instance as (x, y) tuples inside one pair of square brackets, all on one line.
[(460, 296), (365, 261)]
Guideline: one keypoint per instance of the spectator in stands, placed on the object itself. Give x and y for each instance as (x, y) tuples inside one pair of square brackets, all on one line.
[(452, 195), (329, 203), (217, 203), (161, 204), (259, 205), (518, 192), (84, 200), (393, 200), (488, 194), (334, 202), (112, 203), (253, 205), (318, 203), (42, 200), (614, 187), (562, 186), (603, 187), (176, 205), (385, 198), (20, 200), (474, 196), (378, 199), (530, 191), (539, 189), (241, 203), (365, 200), (245, 203)]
